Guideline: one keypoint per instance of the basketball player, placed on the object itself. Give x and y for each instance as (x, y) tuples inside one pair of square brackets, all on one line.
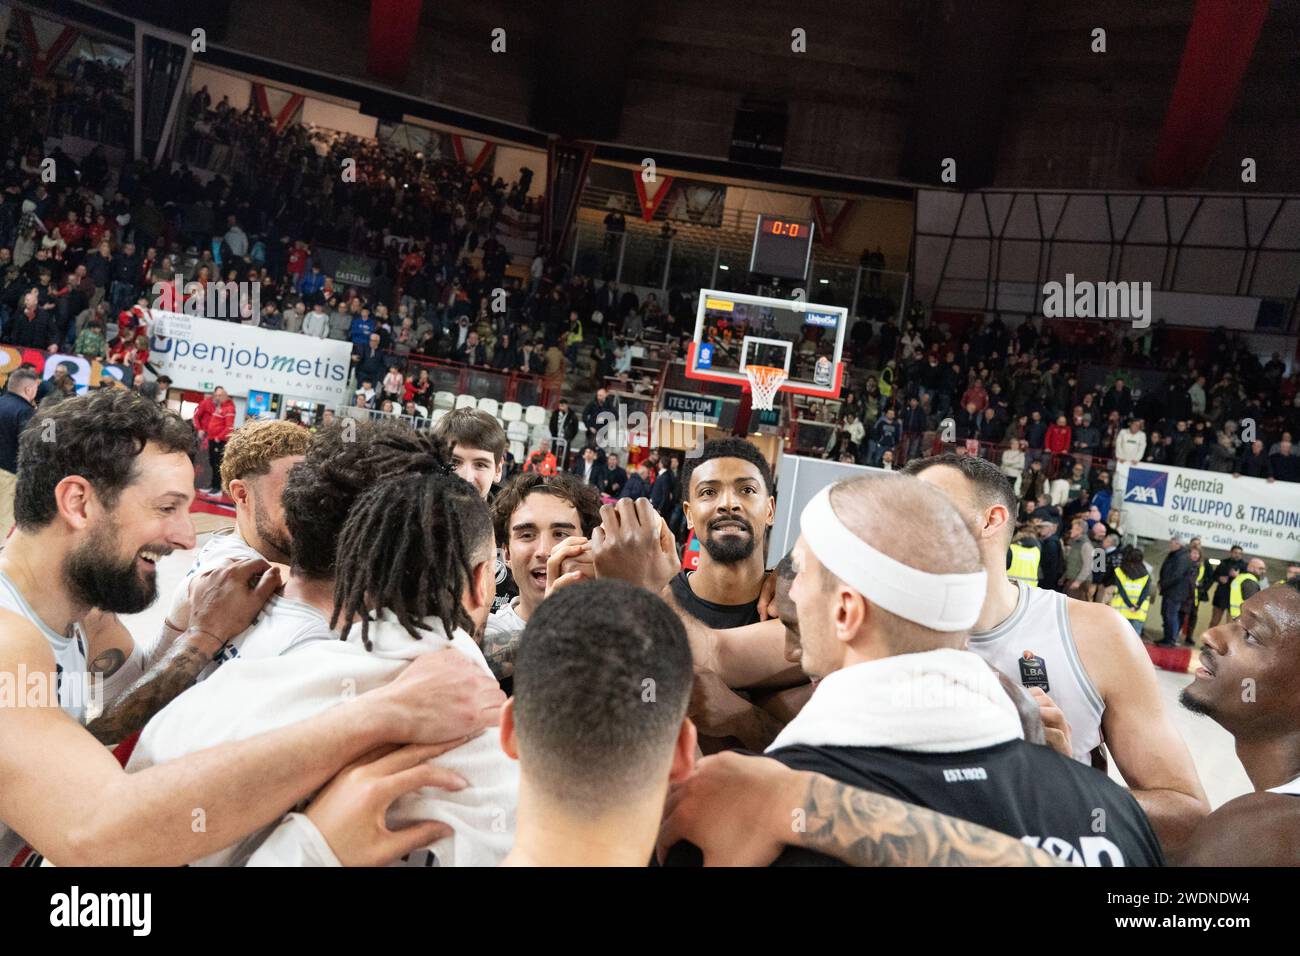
[(545, 522), (738, 810), (598, 740), (253, 473), (1085, 664), (902, 708), (729, 505), (96, 509), (1249, 684), (341, 462), (414, 578)]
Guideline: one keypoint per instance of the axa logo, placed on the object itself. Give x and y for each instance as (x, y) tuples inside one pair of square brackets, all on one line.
[(1146, 487)]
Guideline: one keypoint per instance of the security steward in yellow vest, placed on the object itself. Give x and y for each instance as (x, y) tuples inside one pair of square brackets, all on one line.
[(1244, 585), (1024, 558), (1132, 589)]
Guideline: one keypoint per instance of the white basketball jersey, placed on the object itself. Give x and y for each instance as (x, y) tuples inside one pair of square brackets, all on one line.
[(1291, 789), (69, 649), (73, 688), (1040, 625)]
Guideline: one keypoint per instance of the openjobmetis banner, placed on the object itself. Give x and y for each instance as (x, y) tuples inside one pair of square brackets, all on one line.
[(204, 353)]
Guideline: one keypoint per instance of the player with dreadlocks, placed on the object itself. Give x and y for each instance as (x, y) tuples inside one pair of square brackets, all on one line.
[(392, 559), (415, 576)]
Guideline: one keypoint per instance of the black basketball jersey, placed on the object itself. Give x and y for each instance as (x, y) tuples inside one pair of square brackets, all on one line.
[(1024, 790)]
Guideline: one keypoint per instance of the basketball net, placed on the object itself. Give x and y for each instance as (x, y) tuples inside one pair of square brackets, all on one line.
[(764, 382)]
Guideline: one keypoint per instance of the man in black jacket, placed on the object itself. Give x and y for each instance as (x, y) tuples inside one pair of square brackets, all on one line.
[(564, 424), (602, 401), (615, 477), (17, 406), (1177, 578)]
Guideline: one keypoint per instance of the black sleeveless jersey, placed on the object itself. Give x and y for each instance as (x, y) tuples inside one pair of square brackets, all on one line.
[(1024, 790)]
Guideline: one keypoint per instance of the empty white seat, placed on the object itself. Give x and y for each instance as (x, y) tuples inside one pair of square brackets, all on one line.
[(488, 405), (444, 400), (517, 431), (511, 411), (466, 401), (517, 451), (437, 414), (535, 415)]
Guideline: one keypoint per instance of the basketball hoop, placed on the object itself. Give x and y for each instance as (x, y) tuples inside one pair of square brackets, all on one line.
[(764, 382)]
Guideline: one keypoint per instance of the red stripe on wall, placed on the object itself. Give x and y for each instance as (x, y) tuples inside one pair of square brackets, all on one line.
[(393, 25), (1218, 50)]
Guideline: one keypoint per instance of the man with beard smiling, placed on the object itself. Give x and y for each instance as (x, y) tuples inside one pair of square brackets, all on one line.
[(729, 504), (104, 485)]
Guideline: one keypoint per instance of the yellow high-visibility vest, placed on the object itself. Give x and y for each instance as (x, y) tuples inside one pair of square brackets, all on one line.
[(1235, 599), (1024, 564), (886, 382), (1133, 596), (1196, 589)]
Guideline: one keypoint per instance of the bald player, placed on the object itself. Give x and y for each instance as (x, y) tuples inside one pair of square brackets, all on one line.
[(888, 581), (1088, 668), (1259, 829)]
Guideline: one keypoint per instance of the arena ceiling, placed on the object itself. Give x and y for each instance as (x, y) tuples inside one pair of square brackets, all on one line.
[(885, 90)]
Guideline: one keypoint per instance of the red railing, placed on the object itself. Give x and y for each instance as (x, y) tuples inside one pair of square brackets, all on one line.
[(483, 382)]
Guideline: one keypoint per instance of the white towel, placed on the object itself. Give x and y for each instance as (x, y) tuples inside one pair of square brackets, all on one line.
[(247, 697), (944, 701)]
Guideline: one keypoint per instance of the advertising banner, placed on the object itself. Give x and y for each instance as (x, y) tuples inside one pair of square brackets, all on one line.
[(201, 354), (1262, 517)]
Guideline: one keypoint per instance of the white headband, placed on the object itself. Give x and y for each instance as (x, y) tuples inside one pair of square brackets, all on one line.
[(941, 602)]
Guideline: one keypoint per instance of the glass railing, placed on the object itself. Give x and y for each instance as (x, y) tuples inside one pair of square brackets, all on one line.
[(636, 259)]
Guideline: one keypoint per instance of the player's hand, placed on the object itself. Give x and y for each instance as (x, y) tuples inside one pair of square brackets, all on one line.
[(224, 601), (1055, 726), (767, 597), (439, 696), (714, 707), (736, 809), (633, 544), (570, 561), (350, 812)]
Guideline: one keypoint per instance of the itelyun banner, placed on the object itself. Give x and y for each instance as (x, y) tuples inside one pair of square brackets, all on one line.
[(1261, 516), (204, 353)]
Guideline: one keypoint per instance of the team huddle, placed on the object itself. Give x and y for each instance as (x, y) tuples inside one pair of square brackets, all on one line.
[(393, 658)]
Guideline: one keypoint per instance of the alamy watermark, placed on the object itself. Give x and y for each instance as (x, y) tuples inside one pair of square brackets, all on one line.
[(665, 429), (1098, 300), (215, 300)]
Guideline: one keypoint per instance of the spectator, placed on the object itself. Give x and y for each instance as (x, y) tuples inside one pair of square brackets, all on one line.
[(615, 477), (638, 484), (564, 423), (1131, 443), (316, 323), (1253, 462), (590, 468), (1285, 464), (1013, 463), (214, 420), (17, 406), (541, 460)]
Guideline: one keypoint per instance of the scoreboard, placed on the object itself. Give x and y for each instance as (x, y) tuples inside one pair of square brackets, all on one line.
[(782, 247)]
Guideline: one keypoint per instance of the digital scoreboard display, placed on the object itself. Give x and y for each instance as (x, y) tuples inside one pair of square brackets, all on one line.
[(782, 247)]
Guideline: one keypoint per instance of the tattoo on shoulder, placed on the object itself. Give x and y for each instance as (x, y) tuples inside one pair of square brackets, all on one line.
[(108, 663), (869, 829), (499, 648)]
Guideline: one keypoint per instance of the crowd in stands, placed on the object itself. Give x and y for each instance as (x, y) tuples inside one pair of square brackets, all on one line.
[(79, 253), (1060, 408)]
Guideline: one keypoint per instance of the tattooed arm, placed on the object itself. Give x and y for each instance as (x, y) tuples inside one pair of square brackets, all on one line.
[(499, 646), (863, 828), (176, 671), (226, 601), (743, 811)]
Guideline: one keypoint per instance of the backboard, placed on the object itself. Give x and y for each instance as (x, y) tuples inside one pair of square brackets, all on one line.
[(734, 330)]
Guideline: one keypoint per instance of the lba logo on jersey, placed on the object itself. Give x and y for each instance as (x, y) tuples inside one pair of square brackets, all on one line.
[(1146, 487)]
